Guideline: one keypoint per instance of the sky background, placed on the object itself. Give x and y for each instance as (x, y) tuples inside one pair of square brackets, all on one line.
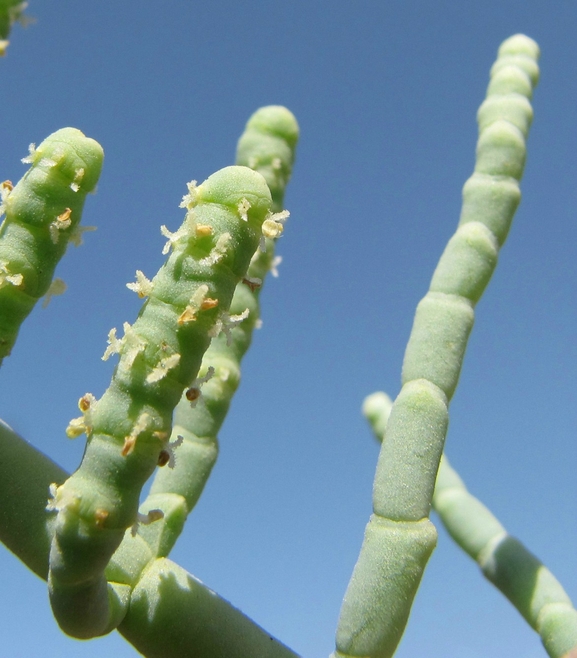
[(386, 95)]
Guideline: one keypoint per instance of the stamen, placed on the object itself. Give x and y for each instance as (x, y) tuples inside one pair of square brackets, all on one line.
[(146, 519), (194, 393), (243, 208), (61, 223), (190, 200), (142, 287)]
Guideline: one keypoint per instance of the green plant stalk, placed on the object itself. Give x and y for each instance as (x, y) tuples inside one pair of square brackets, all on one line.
[(25, 475), (43, 213), (267, 146), (399, 537), (160, 356), (504, 561), (269, 125), (170, 611)]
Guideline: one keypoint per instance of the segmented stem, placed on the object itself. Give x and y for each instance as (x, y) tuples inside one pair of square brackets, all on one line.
[(504, 561), (399, 537), (172, 610), (160, 355), (267, 146), (43, 213)]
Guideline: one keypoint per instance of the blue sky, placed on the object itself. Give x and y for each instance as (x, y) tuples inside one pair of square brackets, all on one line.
[(386, 95)]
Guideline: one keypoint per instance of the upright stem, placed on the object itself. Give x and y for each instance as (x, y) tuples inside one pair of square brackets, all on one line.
[(399, 537)]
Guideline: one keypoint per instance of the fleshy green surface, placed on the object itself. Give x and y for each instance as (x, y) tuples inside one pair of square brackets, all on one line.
[(374, 611), (505, 561), (270, 137), (371, 624), (167, 598), (160, 355), (172, 613), (43, 214)]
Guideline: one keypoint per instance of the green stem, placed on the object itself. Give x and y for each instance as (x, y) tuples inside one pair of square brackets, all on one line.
[(504, 561), (25, 475), (399, 537), (171, 613), (43, 214), (267, 146), (160, 356)]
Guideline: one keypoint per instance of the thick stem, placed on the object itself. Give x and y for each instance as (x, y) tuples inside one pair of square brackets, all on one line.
[(378, 599), (267, 146)]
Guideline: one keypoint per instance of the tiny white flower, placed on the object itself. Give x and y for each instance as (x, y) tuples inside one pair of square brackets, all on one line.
[(252, 282), (142, 287), (114, 345), (61, 223), (195, 305), (173, 238), (243, 208), (272, 227), (218, 251), (189, 200), (167, 456), (164, 365), (226, 323), (143, 423), (75, 236), (7, 279), (57, 156), (60, 498), (133, 344), (5, 189), (52, 491), (78, 176), (82, 424), (29, 159)]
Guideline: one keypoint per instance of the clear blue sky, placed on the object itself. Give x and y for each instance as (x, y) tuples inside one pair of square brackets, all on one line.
[(386, 95)]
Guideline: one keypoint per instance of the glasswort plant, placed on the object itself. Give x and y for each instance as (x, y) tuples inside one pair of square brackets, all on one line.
[(103, 551)]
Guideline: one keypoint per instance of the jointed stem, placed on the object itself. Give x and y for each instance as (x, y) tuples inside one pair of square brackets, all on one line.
[(504, 561), (160, 355), (399, 537), (172, 611), (267, 146)]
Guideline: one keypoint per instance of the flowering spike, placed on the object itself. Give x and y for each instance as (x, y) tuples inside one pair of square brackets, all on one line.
[(160, 354), (42, 213), (267, 145)]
